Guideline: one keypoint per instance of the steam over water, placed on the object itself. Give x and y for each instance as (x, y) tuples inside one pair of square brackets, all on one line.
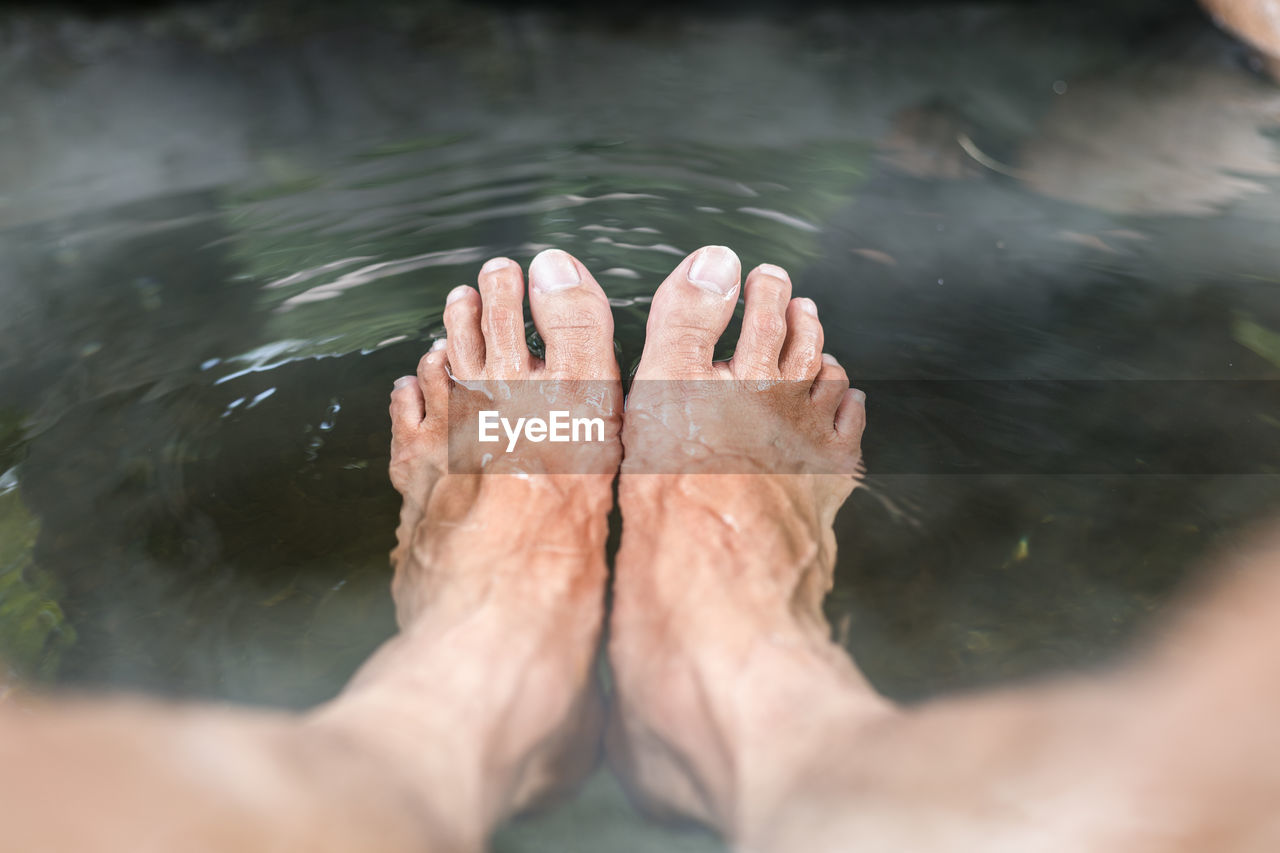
[(1043, 240)]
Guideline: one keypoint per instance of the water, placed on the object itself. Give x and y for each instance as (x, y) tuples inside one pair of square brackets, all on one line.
[(1042, 238)]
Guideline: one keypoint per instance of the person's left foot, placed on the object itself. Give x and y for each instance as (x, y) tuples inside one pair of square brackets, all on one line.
[(500, 564), (732, 476)]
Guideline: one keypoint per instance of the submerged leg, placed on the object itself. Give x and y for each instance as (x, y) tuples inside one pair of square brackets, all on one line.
[(736, 709), (483, 703)]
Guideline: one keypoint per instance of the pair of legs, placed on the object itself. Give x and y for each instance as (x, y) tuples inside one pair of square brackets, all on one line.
[(732, 705)]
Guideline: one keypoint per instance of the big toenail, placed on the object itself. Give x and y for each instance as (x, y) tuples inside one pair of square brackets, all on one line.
[(456, 294), (808, 306), (495, 264), (715, 268), (553, 270)]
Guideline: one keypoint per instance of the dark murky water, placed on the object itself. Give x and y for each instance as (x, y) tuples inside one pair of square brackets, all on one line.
[(222, 238)]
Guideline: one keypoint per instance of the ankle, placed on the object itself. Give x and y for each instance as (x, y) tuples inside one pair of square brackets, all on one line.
[(747, 722), (478, 742)]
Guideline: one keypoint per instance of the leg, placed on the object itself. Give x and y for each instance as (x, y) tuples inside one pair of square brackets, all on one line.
[(718, 641), (1256, 22), (482, 703), (737, 710)]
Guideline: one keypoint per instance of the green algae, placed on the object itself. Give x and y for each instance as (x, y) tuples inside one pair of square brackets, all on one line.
[(1257, 338), (33, 629)]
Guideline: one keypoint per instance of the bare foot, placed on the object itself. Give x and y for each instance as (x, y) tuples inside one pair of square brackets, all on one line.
[(732, 475), (499, 568)]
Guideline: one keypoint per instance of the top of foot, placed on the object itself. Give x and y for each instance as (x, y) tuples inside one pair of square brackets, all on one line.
[(778, 406), (485, 364), (498, 500)]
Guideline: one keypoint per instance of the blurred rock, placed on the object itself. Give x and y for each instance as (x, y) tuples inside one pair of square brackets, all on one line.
[(1169, 138)]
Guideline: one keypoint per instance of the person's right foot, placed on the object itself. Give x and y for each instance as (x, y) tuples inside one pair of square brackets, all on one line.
[(732, 475)]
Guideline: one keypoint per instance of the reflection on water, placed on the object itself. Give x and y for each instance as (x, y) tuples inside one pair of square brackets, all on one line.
[(343, 266), (222, 241)]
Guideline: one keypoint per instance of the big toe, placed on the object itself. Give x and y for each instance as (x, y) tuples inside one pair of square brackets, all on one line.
[(690, 312), (572, 315)]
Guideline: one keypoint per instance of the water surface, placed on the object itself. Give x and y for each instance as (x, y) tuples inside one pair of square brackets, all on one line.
[(1043, 238)]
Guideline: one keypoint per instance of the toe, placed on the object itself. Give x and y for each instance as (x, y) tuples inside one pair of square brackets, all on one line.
[(462, 325), (764, 323), (802, 352), (689, 313), (502, 318), (829, 387), (573, 317), (851, 417), (407, 405), (433, 385), (419, 421), (407, 412)]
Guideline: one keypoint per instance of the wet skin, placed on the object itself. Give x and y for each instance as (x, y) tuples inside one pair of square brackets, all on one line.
[(734, 707), (732, 704)]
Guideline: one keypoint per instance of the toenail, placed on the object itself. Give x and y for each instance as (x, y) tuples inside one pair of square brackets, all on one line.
[(716, 268), (495, 264), (456, 294), (553, 270), (404, 382), (858, 395), (776, 272), (439, 344), (808, 306), (828, 358)]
